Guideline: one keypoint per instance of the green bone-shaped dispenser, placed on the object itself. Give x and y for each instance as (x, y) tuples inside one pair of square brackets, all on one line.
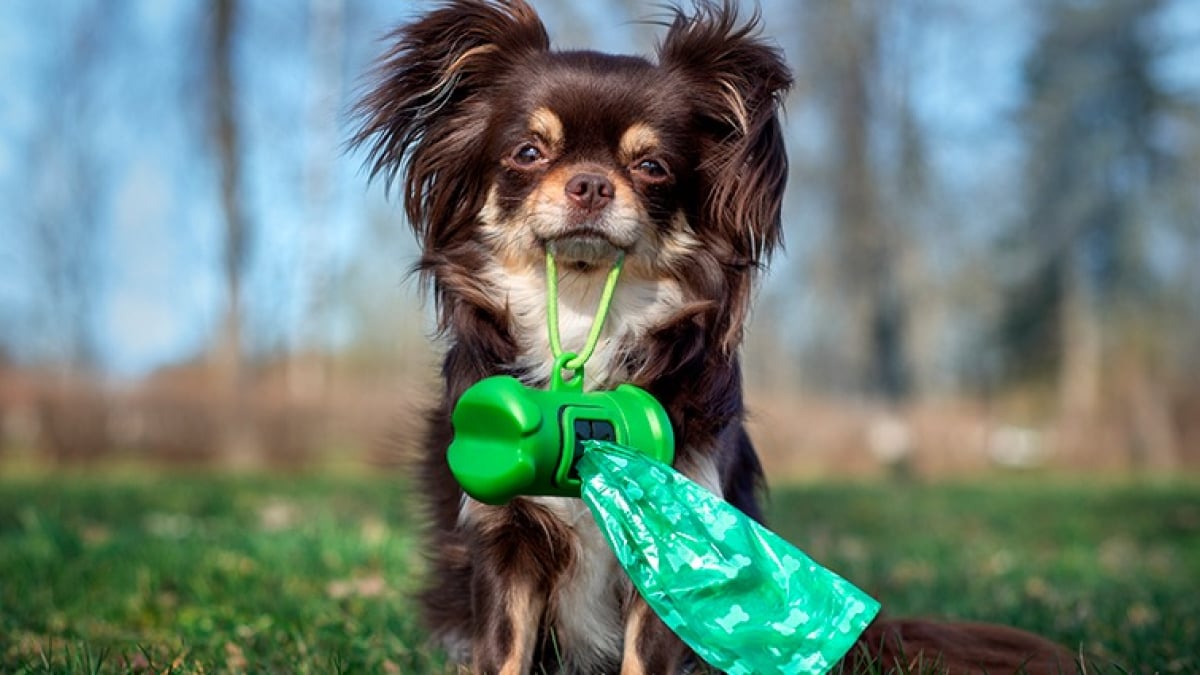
[(512, 440)]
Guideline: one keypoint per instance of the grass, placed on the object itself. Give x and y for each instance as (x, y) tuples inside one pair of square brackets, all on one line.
[(214, 573)]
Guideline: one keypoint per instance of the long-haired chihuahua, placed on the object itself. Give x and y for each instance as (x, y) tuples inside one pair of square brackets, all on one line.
[(505, 149)]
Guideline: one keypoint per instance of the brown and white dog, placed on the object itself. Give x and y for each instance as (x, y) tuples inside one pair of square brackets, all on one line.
[(505, 148)]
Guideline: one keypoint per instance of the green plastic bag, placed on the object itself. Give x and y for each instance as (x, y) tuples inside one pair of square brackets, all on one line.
[(741, 597)]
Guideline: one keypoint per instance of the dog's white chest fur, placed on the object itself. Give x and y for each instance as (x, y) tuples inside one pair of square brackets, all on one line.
[(637, 306)]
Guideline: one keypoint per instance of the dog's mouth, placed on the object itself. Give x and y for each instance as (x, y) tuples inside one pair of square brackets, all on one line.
[(583, 249)]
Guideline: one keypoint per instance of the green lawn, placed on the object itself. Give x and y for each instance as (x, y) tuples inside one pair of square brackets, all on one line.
[(208, 573)]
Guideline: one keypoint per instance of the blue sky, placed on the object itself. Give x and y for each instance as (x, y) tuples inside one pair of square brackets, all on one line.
[(158, 296)]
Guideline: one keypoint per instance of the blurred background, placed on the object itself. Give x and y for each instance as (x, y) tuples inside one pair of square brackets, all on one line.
[(993, 237)]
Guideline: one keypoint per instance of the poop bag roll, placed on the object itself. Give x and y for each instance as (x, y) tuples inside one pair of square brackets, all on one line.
[(741, 597)]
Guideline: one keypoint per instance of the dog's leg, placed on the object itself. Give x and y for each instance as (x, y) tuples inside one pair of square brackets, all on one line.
[(509, 630), (631, 662), (650, 647), (518, 552)]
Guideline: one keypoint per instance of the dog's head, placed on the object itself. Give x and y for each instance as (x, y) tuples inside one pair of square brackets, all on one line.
[(507, 148)]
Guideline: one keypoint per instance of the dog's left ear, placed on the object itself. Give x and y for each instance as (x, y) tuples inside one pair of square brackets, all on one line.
[(739, 81)]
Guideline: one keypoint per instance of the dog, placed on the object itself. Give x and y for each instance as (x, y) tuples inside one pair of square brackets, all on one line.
[(505, 149)]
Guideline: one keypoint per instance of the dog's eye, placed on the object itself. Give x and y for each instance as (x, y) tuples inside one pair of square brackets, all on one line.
[(652, 169), (527, 155)]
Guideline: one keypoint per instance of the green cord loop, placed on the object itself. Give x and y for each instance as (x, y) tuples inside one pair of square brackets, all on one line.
[(593, 338)]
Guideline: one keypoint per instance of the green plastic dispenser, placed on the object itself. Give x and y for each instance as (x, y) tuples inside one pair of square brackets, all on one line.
[(511, 440)]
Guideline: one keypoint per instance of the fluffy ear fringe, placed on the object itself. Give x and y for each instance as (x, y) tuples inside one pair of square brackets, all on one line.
[(421, 117), (740, 81)]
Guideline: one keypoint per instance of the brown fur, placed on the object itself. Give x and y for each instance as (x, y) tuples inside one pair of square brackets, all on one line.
[(923, 646), (485, 127)]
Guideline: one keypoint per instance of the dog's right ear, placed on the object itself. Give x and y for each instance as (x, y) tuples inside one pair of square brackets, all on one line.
[(426, 109)]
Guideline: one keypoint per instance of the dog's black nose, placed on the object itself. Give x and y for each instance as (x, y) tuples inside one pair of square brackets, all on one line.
[(590, 191)]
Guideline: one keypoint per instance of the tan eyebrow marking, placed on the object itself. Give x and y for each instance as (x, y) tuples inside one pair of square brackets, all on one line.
[(548, 126), (637, 139)]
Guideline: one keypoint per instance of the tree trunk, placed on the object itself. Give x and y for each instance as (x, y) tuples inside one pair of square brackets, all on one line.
[(867, 244), (238, 444), (309, 366)]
